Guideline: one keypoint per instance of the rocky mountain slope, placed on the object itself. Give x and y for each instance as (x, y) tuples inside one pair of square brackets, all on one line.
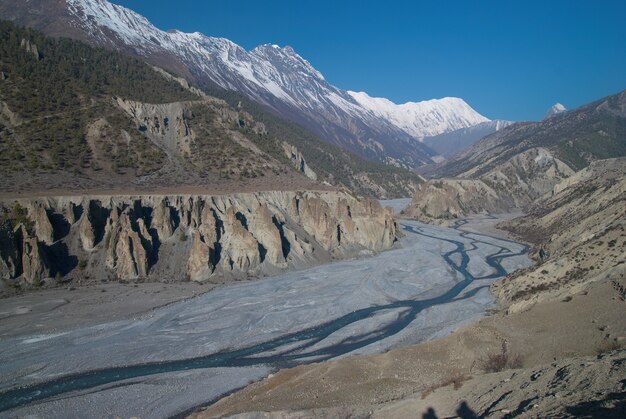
[(591, 132), (514, 184), (76, 117), (276, 77), (450, 143), (520, 163), (579, 232), (184, 237)]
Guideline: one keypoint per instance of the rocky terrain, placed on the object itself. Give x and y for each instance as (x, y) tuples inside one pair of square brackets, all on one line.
[(579, 236), (181, 238), (512, 185), (518, 164), (554, 347)]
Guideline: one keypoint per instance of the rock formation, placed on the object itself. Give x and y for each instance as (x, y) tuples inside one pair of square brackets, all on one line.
[(9, 254), (45, 232), (165, 123), (513, 184), (34, 265), (31, 48), (297, 158), (202, 238)]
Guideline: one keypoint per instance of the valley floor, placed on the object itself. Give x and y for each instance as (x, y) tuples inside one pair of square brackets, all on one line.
[(60, 309), (363, 306), (557, 343)]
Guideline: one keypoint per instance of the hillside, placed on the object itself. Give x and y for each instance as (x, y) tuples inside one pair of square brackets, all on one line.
[(579, 238), (450, 143), (513, 167), (509, 186), (577, 137), (74, 117)]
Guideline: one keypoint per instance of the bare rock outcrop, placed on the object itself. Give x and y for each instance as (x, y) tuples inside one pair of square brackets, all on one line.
[(165, 122), (268, 235), (86, 233), (213, 238), (126, 254), (31, 48), (45, 232), (34, 265), (511, 185), (162, 220), (240, 247), (199, 266), (9, 253), (297, 159)]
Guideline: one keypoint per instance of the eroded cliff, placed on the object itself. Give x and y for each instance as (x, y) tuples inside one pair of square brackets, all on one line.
[(514, 184), (186, 237), (579, 237)]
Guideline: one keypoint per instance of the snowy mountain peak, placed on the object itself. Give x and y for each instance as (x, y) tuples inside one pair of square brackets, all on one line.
[(286, 55), (555, 109), (129, 26), (423, 119)]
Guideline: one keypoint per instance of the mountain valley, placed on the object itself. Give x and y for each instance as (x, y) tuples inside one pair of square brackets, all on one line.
[(191, 228)]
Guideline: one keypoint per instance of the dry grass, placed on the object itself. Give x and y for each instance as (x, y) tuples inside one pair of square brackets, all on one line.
[(455, 377), (608, 346), (500, 361)]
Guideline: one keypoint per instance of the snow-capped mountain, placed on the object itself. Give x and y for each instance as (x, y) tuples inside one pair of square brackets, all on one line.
[(555, 109), (273, 76), (423, 119)]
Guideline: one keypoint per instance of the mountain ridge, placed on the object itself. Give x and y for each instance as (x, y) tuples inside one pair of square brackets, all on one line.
[(424, 118), (577, 137), (450, 143), (74, 117), (278, 78)]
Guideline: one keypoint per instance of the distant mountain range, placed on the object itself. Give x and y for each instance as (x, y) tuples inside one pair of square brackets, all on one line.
[(524, 162), (449, 143), (276, 77), (577, 137)]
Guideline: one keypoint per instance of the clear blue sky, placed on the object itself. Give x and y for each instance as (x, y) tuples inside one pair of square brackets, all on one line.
[(507, 59)]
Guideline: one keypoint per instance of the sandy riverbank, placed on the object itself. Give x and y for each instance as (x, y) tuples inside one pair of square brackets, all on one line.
[(59, 309)]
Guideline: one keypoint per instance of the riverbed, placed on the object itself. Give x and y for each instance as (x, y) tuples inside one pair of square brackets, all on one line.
[(188, 353)]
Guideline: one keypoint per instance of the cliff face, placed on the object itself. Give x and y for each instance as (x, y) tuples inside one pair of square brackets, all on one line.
[(297, 159), (185, 237), (513, 184)]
